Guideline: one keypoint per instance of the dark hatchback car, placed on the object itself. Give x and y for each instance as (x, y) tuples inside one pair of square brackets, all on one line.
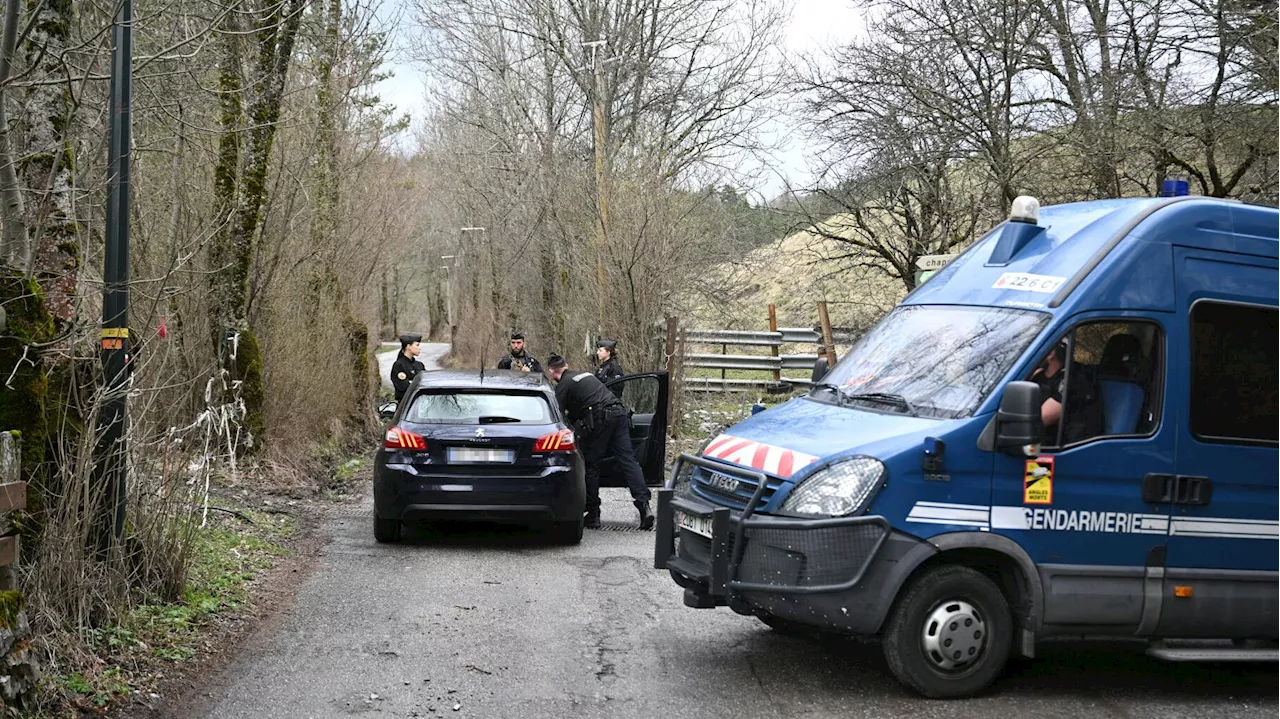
[(493, 446)]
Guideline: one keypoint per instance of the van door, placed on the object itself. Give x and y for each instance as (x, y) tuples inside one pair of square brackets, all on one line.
[(1079, 510), (646, 396), (1221, 576)]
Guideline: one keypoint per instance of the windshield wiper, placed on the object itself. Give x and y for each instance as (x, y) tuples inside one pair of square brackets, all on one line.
[(840, 395), (496, 419), (886, 398)]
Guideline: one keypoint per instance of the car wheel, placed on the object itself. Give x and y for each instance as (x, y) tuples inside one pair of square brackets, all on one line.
[(949, 634), (568, 532), (386, 530)]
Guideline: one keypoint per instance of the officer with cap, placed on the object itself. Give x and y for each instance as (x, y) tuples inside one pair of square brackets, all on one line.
[(602, 425), (518, 358), (610, 368), (406, 365)]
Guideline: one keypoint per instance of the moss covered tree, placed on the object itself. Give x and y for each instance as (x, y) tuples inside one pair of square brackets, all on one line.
[(240, 182)]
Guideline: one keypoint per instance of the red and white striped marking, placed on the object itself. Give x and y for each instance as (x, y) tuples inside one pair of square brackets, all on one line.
[(778, 461)]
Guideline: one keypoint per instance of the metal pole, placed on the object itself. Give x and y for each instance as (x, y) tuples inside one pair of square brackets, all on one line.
[(110, 460), (773, 349)]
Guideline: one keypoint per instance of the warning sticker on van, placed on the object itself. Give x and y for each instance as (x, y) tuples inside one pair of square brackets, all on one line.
[(1024, 282), (1037, 482)]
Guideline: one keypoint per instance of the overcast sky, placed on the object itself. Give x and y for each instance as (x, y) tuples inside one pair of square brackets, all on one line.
[(814, 23)]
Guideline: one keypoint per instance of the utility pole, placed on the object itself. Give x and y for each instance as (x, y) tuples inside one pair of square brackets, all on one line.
[(109, 462)]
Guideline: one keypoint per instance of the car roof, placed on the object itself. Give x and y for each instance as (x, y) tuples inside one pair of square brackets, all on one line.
[(497, 379)]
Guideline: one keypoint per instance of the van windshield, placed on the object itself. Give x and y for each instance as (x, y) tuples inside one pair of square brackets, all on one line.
[(931, 361)]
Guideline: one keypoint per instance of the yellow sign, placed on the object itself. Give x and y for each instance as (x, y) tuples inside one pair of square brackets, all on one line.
[(1037, 483), (120, 332)]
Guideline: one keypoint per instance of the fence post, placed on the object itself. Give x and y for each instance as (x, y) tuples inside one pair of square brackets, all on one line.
[(827, 340), (674, 384), (18, 670), (773, 327)]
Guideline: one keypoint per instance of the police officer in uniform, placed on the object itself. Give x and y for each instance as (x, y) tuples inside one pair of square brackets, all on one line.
[(610, 368), (1085, 418), (518, 358), (406, 365), (602, 425)]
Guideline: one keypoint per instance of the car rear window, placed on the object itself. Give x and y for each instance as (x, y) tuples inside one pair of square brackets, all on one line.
[(452, 407)]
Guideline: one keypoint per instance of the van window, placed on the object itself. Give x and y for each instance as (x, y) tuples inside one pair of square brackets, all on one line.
[(1233, 372), (1112, 383), (931, 361)]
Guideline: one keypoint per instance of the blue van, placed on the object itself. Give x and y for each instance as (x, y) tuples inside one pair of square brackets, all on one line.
[(1069, 431)]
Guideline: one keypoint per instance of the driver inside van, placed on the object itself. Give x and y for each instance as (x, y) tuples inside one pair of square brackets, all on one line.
[(1050, 375), (1085, 419)]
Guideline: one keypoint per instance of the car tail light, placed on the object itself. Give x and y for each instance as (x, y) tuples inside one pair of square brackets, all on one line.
[(561, 441), (403, 439)]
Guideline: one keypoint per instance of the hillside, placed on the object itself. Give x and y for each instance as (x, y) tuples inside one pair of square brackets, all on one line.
[(795, 275)]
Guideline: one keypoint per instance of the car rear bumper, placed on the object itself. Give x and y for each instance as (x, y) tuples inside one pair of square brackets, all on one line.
[(837, 574), (558, 494)]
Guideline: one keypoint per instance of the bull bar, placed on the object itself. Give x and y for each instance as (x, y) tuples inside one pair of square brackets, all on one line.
[(711, 583)]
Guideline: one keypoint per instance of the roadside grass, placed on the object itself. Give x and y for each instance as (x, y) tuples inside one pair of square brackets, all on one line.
[(706, 414), (385, 349), (128, 658)]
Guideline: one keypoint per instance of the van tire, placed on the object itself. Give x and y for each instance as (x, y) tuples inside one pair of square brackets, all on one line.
[(923, 613), (386, 531)]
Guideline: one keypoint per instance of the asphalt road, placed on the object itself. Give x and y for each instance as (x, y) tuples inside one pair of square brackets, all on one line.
[(502, 624), (431, 353), (478, 622)]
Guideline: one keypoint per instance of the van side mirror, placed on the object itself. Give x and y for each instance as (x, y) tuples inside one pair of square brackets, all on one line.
[(1018, 423), (820, 368)]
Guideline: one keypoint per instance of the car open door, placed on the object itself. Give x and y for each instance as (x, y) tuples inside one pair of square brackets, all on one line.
[(646, 396)]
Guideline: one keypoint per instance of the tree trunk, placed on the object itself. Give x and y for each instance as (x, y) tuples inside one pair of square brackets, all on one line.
[(15, 249), (241, 203), (46, 170)]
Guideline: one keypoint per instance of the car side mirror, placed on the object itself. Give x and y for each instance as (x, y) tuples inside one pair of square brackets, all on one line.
[(820, 368), (1018, 424), (387, 411)]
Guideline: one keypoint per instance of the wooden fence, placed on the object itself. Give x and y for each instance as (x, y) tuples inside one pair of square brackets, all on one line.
[(697, 349)]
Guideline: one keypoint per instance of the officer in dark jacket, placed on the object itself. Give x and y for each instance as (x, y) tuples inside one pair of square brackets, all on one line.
[(610, 368), (406, 365), (603, 427), (1085, 418), (518, 358)]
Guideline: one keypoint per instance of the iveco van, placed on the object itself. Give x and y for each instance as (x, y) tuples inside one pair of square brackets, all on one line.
[(1069, 431)]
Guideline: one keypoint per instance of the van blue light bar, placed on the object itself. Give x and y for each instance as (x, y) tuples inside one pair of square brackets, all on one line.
[(1174, 187)]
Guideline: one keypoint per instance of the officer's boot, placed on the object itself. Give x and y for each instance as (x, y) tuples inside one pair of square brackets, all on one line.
[(592, 520), (646, 514)]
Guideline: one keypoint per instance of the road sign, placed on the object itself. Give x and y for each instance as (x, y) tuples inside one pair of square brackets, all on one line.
[(934, 262)]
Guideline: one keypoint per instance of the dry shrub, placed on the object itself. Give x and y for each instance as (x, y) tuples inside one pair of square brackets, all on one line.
[(72, 583)]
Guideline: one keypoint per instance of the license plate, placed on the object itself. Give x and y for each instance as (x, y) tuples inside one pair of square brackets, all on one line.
[(470, 455), (694, 523)]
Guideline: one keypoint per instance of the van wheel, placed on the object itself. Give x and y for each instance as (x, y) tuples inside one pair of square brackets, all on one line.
[(949, 634), (386, 530)]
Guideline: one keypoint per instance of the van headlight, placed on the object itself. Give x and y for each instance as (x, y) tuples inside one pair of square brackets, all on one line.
[(840, 489)]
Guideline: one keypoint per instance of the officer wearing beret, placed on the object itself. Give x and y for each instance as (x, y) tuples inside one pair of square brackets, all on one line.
[(610, 368), (602, 426), (518, 358), (406, 365)]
